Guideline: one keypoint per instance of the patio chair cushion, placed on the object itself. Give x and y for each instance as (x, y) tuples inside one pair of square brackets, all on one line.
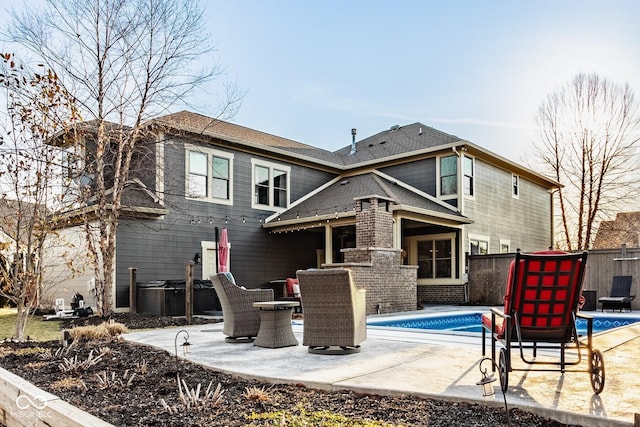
[(292, 287)]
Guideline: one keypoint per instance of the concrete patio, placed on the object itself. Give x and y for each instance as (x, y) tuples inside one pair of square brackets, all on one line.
[(432, 365)]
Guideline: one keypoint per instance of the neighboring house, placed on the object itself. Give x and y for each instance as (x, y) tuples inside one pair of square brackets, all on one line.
[(623, 230), (18, 220), (14, 220), (289, 206), (16, 224)]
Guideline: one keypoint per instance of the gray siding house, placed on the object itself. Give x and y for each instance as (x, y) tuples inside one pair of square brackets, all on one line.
[(289, 206)]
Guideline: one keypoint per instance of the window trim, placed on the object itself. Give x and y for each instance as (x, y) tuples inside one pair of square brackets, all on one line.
[(271, 166), (210, 153)]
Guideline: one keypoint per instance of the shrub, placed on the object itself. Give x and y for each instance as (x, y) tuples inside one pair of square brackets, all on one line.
[(101, 331)]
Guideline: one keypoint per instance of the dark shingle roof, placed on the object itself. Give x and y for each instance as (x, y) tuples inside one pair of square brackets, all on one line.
[(338, 198), (211, 127), (396, 141), (390, 143)]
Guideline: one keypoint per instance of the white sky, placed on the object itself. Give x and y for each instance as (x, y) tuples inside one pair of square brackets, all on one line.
[(476, 69), (314, 69)]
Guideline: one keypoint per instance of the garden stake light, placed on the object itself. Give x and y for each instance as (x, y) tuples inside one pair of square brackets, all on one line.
[(186, 345), (486, 382)]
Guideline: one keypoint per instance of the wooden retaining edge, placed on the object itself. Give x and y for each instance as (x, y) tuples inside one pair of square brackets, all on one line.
[(25, 405)]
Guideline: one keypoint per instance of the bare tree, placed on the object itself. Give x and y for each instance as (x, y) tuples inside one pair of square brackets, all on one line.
[(125, 61), (588, 143), (34, 108)]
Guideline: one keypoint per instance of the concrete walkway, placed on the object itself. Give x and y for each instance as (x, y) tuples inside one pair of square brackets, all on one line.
[(442, 366)]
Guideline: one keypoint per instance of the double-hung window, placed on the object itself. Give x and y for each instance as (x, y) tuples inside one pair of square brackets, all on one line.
[(221, 185), (209, 175), (449, 175), (270, 185), (515, 186), (478, 245), (468, 168)]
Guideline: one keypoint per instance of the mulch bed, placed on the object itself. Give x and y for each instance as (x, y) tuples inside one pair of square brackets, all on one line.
[(108, 391)]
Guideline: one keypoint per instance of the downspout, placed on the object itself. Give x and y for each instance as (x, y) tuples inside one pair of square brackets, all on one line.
[(459, 180)]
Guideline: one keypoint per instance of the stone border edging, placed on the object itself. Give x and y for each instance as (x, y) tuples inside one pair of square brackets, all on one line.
[(24, 404)]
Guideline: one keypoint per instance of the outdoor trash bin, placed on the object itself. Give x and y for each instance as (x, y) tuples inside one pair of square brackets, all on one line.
[(589, 300)]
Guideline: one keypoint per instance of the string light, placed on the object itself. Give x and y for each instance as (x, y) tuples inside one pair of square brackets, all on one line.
[(334, 212)]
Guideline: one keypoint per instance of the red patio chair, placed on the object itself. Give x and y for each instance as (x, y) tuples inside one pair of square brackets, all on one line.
[(540, 310)]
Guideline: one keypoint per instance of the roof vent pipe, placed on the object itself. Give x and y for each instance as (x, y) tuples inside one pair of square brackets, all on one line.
[(353, 141)]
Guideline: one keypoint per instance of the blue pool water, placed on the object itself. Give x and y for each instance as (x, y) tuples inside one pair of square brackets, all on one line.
[(470, 322)]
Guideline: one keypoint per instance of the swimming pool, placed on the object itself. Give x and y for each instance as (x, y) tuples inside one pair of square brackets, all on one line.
[(471, 322)]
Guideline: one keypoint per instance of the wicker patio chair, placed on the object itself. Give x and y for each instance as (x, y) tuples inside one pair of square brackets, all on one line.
[(241, 319), (540, 311), (335, 319)]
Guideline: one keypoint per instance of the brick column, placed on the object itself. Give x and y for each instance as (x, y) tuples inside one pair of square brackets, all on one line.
[(374, 223)]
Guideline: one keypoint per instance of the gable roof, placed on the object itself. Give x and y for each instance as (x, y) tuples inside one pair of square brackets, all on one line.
[(336, 200), (622, 230)]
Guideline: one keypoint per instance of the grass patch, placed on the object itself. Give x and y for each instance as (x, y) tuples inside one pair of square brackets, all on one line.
[(37, 329), (303, 418)]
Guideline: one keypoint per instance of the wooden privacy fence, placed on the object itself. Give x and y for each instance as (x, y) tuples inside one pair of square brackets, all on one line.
[(488, 274)]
